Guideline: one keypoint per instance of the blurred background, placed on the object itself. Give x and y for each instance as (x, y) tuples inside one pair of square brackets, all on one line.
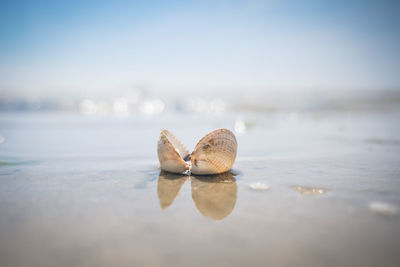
[(123, 57)]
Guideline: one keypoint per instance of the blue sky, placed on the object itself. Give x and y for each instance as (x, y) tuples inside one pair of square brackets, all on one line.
[(52, 47)]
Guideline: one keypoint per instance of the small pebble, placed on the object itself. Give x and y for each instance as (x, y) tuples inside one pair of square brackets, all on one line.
[(383, 208), (259, 186), (305, 190)]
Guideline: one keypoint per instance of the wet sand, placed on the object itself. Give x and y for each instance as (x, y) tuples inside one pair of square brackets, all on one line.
[(306, 190)]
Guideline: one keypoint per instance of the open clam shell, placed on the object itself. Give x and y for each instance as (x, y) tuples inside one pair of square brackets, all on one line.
[(214, 153), (171, 153)]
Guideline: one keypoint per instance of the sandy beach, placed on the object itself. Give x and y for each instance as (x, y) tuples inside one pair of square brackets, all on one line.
[(307, 189)]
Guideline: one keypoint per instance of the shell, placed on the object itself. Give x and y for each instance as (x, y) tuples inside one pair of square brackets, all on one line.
[(171, 153), (214, 153)]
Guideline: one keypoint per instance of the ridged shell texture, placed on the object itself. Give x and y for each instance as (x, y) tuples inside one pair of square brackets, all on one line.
[(214, 153)]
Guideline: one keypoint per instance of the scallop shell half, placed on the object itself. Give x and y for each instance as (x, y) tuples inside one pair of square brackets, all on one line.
[(171, 153), (214, 153)]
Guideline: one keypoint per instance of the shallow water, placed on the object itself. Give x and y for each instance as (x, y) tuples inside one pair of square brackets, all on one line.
[(307, 189)]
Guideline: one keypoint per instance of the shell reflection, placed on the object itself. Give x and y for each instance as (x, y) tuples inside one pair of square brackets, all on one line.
[(214, 196), (168, 187)]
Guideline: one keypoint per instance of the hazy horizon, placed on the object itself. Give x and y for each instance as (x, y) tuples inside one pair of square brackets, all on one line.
[(97, 48)]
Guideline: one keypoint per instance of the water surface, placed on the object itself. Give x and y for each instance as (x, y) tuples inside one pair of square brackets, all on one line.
[(307, 190)]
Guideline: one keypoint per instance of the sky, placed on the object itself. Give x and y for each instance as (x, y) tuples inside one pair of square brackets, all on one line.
[(91, 47)]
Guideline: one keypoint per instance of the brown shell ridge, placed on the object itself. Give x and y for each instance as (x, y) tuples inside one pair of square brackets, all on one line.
[(168, 155), (176, 143), (213, 132), (217, 164), (215, 153)]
